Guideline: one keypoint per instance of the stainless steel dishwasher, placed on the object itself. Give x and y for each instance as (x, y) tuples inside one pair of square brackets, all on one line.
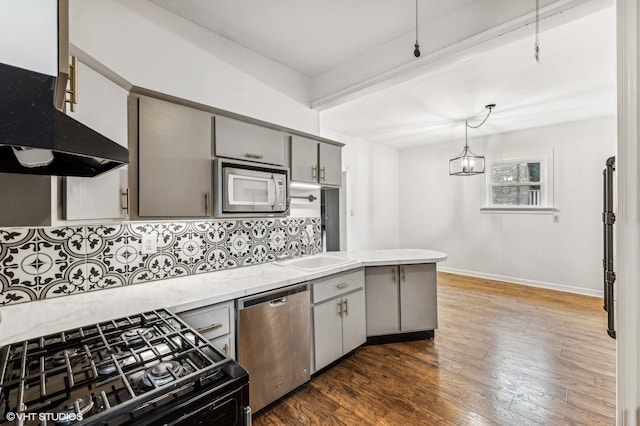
[(274, 342)]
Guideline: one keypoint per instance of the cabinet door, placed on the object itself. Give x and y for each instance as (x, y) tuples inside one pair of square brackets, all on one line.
[(418, 297), (304, 159), (99, 197), (381, 284), (327, 332), (354, 321), (175, 160), (330, 160), (26, 200), (249, 142), (223, 344)]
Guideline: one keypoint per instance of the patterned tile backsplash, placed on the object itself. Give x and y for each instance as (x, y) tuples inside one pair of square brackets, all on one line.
[(40, 263)]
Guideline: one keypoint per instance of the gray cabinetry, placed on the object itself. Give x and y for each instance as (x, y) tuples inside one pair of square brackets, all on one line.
[(99, 197), (314, 161), (338, 316), (174, 160), (330, 161), (249, 142), (26, 200), (214, 322), (401, 299), (304, 159)]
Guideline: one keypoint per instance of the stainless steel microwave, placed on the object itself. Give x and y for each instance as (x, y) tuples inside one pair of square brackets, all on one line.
[(247, 189)]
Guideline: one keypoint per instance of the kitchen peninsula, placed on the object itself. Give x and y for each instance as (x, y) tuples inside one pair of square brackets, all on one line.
[(27, 320)]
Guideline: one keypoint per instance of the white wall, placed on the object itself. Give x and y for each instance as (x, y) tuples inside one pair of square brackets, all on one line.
[(29, 34), (442, 212), (155, 49), (371, 192)]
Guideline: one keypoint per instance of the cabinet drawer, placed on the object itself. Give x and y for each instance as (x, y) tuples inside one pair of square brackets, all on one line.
[(338, 284), (248, 142), (210, 321), (223, 344)]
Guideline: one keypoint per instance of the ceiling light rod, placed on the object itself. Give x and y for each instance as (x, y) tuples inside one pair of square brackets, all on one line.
[(416, 51), (468, 163), (536, 53)]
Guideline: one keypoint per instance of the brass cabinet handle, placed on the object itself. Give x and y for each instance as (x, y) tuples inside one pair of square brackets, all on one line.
[(404, 278), (342, 285), (206, 202), (322, 173), (314, 172), (346, 306), (226, 349), (340, 306), (209, 328), (254, 156), (393, 274), (125, 194), (73, 82)]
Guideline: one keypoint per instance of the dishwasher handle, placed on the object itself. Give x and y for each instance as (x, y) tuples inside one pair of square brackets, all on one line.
[(273, 298), (278, 302)]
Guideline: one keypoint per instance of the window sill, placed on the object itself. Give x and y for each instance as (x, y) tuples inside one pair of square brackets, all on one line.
[(530, 210)]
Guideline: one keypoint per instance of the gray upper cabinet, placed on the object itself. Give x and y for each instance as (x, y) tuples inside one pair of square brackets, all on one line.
[(174, 160), (26, 200), (249, 142), (304, 159), (330, 161), (103, 196), (314, 161)]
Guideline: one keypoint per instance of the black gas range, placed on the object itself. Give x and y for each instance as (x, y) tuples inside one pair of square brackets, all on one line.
[(143, 369)]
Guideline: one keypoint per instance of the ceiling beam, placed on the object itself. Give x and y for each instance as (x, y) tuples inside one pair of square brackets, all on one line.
[(554, 14)]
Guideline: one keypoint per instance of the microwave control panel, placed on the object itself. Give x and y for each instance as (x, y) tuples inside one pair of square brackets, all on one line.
[(281, 193)]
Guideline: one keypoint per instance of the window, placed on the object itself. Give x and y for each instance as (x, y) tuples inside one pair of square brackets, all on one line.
[(518, 184)]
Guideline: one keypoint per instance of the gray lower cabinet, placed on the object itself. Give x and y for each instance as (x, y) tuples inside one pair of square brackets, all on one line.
[(401, 299), (249, 142), (338, 316), (314, 161), (215, 322), (174, 160)]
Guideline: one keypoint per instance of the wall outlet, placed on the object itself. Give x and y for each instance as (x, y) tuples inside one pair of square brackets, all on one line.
[(556, 218), (149, 244)]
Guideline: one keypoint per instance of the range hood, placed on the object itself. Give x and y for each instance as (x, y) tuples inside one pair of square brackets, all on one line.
[(36, 138)]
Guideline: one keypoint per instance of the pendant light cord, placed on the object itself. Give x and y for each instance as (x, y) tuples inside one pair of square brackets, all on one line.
[(490, 108), (416, 50), (537, 46), (416, 21)]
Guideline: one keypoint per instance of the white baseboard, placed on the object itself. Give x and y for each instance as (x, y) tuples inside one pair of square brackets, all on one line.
[(530, 283)]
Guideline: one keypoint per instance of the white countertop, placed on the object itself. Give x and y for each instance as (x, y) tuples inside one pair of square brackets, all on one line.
[(33, 319)]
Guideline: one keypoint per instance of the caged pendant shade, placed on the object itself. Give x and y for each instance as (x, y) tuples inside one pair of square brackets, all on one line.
[(467, 163)]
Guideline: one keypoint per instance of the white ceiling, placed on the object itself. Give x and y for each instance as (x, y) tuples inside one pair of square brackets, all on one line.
[(310, 36), (575, 79)]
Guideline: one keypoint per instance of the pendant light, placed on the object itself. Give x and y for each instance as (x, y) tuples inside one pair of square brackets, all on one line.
[(468, 163)]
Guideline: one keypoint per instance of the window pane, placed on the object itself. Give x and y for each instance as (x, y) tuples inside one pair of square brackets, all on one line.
[(518, 172), (516, 195)]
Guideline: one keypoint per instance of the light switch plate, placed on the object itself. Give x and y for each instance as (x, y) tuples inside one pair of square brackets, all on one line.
[(149, 244)]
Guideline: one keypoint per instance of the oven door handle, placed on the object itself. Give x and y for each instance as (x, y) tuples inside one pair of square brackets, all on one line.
[(247, 416)]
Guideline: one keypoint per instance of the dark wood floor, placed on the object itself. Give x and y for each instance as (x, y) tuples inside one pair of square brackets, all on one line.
[(503, 354)]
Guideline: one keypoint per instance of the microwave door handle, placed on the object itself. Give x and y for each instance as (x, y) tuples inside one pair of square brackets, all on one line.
[(275, 192)]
